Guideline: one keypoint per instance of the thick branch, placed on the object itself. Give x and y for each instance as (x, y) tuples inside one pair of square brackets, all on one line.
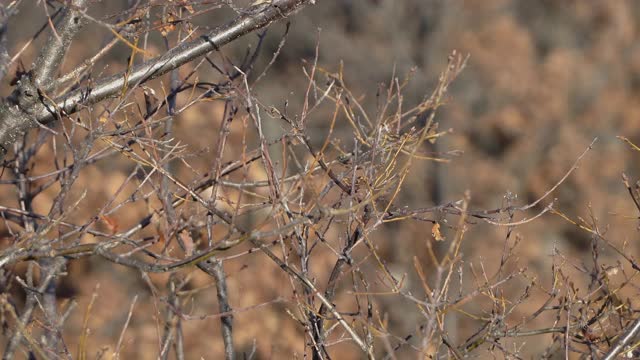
[(50, 59), (16, 121), (623, 341), (4, 54)]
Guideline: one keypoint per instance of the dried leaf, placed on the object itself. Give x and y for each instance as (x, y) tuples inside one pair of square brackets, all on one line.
[(187, 6), (188, 243), (167, 24), (151, 101), (435, 232)]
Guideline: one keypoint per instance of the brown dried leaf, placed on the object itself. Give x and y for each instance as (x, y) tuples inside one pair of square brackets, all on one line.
[(188, 243), (167, 24)]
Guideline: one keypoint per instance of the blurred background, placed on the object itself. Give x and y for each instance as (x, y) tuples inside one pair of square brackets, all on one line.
[(543, 80)]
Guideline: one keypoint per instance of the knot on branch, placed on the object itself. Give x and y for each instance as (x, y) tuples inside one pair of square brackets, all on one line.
[(25, 93)]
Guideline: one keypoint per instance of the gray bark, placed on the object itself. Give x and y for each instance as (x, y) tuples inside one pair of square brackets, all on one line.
[(28, 108)]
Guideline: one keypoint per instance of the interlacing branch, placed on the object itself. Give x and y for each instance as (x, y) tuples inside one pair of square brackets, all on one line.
[(29, 106)]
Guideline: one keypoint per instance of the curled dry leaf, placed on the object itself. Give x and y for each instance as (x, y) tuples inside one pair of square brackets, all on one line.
[(435, 232)]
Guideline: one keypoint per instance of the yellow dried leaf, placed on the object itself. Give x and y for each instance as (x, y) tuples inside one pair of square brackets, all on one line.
[(435, 232)]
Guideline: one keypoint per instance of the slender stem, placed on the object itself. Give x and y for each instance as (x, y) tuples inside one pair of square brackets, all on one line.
[(25, 317), (224, 308)]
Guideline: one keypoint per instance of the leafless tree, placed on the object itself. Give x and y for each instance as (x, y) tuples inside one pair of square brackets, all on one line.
[(310, 204)]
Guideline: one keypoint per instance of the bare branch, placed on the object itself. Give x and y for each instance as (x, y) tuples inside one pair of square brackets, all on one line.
[(15, 121), (4, 54), (50, 59)]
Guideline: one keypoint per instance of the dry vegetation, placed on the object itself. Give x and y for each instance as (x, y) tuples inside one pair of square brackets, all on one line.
[(418, 179)]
